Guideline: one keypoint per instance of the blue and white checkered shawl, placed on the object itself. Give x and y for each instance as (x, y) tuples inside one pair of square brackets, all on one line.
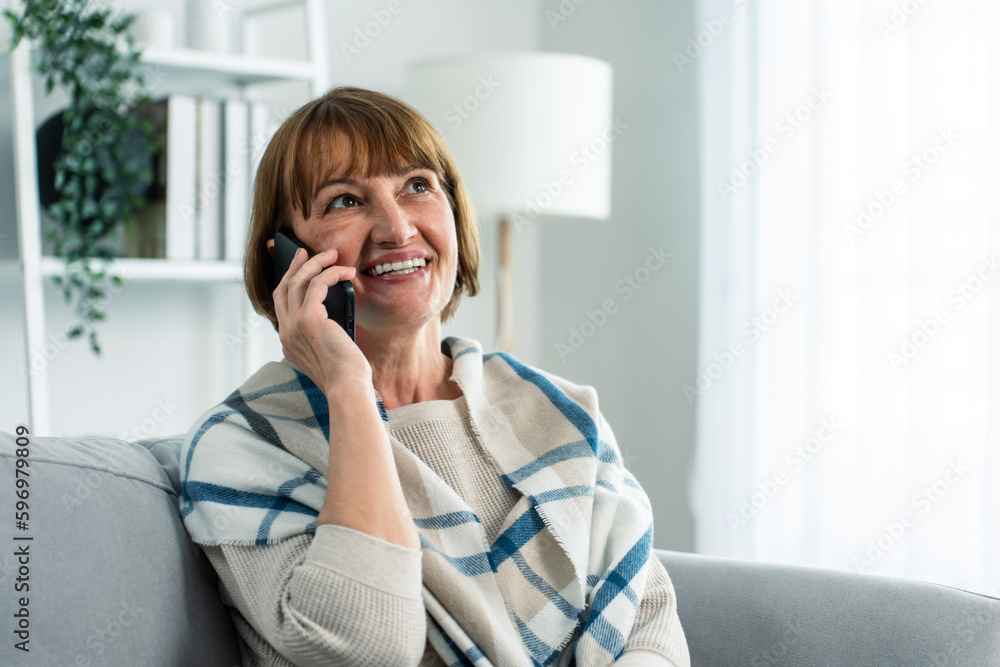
[(571, 557)]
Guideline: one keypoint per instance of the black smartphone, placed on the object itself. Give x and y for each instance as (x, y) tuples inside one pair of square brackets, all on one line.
[(339, 299)]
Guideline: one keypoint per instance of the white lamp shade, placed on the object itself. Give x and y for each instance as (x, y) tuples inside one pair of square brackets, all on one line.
[(531, 132)]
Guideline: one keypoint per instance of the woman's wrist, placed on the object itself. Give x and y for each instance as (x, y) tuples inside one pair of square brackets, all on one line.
[(349, 389), (352, 405)]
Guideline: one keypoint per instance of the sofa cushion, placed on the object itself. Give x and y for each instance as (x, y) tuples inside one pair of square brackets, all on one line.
[(113, 577), (741, 613), (167, 452)]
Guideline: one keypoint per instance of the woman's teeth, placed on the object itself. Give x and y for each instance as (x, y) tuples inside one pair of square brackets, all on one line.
[(397, 268)]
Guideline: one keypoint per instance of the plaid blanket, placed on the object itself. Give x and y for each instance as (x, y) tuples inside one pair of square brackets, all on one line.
[(572, 556)]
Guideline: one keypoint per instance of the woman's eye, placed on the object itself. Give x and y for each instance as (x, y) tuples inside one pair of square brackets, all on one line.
[(417, 186), (343, 201)]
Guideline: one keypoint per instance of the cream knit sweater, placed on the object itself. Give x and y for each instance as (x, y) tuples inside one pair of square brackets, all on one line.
[(342, 597)]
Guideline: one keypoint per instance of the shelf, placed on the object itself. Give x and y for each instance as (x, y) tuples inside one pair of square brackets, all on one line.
[(205, 70), (212, 74), (168, 71), (193, 270)]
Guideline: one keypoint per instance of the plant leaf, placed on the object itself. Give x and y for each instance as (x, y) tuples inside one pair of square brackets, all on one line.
[(83, 52)]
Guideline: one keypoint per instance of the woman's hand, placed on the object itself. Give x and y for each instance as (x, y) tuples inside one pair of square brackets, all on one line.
[(309, 338)]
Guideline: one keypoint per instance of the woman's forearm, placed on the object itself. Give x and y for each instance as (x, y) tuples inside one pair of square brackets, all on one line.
[(337, 598), (363, 491)]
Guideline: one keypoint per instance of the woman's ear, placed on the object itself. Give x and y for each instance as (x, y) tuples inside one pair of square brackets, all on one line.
[(270, 247)]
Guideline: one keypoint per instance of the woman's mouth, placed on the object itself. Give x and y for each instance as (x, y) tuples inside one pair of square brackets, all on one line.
[(397, 268)]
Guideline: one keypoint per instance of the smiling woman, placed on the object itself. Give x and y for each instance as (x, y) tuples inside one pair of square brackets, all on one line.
[(404, 499), (307, 179)]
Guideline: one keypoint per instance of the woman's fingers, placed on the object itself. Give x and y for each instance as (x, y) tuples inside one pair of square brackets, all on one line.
[(304, 268), (291, 289), (327, 278), (303, 289), (309, 339), (281, 289)]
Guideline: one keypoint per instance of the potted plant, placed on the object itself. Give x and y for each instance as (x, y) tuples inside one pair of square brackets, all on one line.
[(105, 162)]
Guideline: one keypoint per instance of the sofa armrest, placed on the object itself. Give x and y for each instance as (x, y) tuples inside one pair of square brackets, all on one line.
[(112, 576), (766, 615)]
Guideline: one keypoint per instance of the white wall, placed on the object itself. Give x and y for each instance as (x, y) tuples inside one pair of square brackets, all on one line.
[(646, 350)]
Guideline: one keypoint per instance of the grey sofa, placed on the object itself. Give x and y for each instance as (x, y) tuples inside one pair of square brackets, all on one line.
[(114, 580)]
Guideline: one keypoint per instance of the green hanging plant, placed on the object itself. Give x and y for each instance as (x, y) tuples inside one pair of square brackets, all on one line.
[(104, 167)]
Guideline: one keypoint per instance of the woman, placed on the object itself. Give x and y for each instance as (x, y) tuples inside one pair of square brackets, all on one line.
[(404, 500)]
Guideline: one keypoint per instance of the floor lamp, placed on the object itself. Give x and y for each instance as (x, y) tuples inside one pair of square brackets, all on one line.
[(531, 133)]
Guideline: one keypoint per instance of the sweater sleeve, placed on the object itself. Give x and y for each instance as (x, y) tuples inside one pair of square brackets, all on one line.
[(657, 637), (340, 597)]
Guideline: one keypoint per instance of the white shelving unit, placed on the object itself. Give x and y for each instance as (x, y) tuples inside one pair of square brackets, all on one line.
[(184, 71), (197, 270)]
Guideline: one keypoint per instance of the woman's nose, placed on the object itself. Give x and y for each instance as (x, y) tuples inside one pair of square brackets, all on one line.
[(392, 224)]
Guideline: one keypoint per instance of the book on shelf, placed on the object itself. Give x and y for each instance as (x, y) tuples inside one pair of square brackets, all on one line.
[(261, 130), (165, 226), (199, 204), (181, 192), (208, 167), (236, 200)]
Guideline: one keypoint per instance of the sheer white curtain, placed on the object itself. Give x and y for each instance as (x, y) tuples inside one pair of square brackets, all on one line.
[(848, 392)]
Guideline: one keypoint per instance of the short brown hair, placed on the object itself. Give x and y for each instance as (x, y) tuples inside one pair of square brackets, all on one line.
[(386, 135)]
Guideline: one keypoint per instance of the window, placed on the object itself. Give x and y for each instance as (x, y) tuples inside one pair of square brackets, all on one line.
[(849, 370)]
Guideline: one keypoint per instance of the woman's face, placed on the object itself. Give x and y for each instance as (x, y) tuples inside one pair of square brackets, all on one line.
[(375, 220)]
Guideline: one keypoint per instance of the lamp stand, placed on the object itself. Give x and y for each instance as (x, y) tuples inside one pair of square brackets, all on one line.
[(505, 291)]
